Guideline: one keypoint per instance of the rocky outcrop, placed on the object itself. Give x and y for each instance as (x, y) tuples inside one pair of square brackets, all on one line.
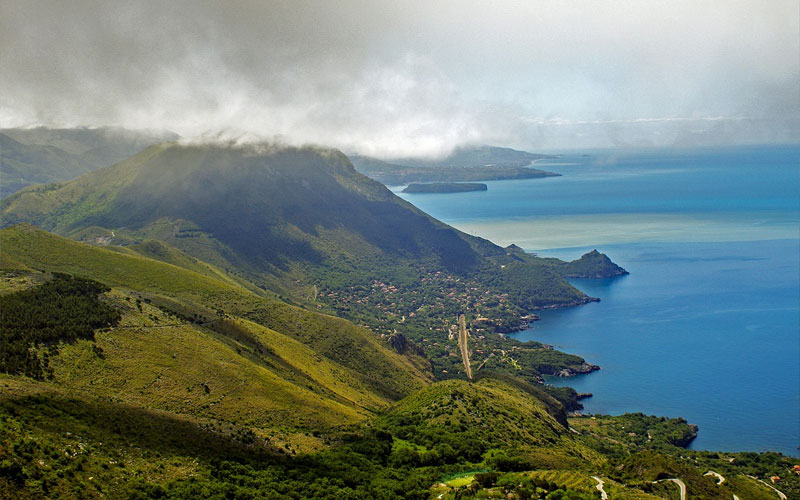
[(591, 265), (581, 369), (687, 438)]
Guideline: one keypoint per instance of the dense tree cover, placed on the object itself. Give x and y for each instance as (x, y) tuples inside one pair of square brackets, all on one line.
[(51, 447), (64, 309), (423, 301), (67, 448)]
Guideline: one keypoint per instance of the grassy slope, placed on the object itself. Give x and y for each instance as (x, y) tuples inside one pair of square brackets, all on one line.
[(70, 446), (153, 361), (376, 366)]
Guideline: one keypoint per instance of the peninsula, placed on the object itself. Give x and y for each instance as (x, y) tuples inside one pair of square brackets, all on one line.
[(445, 187)]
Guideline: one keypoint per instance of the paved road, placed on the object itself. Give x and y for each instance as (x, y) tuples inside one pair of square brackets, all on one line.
[(462, 343), (719, 477), (603, 494), (680, 484), (780, 494)]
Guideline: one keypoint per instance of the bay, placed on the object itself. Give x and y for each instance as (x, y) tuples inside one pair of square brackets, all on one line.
[(707, 325)]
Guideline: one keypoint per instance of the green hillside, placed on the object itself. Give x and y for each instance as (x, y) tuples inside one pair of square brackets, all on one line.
[(473, 418), (22, 165), (201, 299), (186, 348), (42, 155), (302, 223), (203, 389)]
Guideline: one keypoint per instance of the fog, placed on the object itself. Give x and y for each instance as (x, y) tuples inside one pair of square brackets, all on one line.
[(410, 78)]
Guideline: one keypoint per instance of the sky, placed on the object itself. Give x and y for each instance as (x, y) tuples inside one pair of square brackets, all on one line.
[(400, 78)]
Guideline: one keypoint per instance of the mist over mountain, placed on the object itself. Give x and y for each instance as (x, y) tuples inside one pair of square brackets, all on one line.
[(411, 79), (273, 211), (464, 164), (41, 155)]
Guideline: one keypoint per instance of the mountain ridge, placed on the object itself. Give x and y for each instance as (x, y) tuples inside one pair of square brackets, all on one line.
[(40, 155), (464, 164)]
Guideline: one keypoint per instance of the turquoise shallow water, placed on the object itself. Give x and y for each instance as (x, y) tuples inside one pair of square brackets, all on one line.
[(707, 325)]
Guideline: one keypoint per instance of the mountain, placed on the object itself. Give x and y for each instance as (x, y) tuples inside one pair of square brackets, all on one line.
[(22, 164), (591, 265), (477, 156), (304, 224), (466, 164), (42, 155), (266, 209)]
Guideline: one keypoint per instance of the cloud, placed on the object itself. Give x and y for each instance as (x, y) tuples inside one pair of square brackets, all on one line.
[(397, 78)]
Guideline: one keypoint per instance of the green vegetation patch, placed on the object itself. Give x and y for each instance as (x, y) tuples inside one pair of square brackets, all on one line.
[(637, 430), (65, 309)]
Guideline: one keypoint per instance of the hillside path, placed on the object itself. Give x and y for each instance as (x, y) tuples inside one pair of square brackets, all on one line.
[(603, 494), (780, 494)]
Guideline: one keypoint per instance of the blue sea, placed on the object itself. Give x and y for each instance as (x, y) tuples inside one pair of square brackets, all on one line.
[(707, 325)]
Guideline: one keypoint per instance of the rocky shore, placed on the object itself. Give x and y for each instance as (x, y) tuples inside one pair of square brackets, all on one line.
[(579, 302), (581, 369)]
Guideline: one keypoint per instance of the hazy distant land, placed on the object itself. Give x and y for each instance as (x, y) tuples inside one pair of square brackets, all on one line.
[(468, 164), (445, 187)]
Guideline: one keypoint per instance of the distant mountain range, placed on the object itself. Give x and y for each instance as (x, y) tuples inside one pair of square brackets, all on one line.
[(41, 155), (465, 164)]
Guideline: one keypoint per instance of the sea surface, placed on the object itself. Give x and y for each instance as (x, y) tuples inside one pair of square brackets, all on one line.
[(707, 325)]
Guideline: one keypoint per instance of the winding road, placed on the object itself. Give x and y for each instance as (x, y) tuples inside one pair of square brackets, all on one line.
[(603, 494), (680, 484)]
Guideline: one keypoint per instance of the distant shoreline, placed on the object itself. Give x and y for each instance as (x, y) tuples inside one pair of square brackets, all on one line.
[(444, 187)]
